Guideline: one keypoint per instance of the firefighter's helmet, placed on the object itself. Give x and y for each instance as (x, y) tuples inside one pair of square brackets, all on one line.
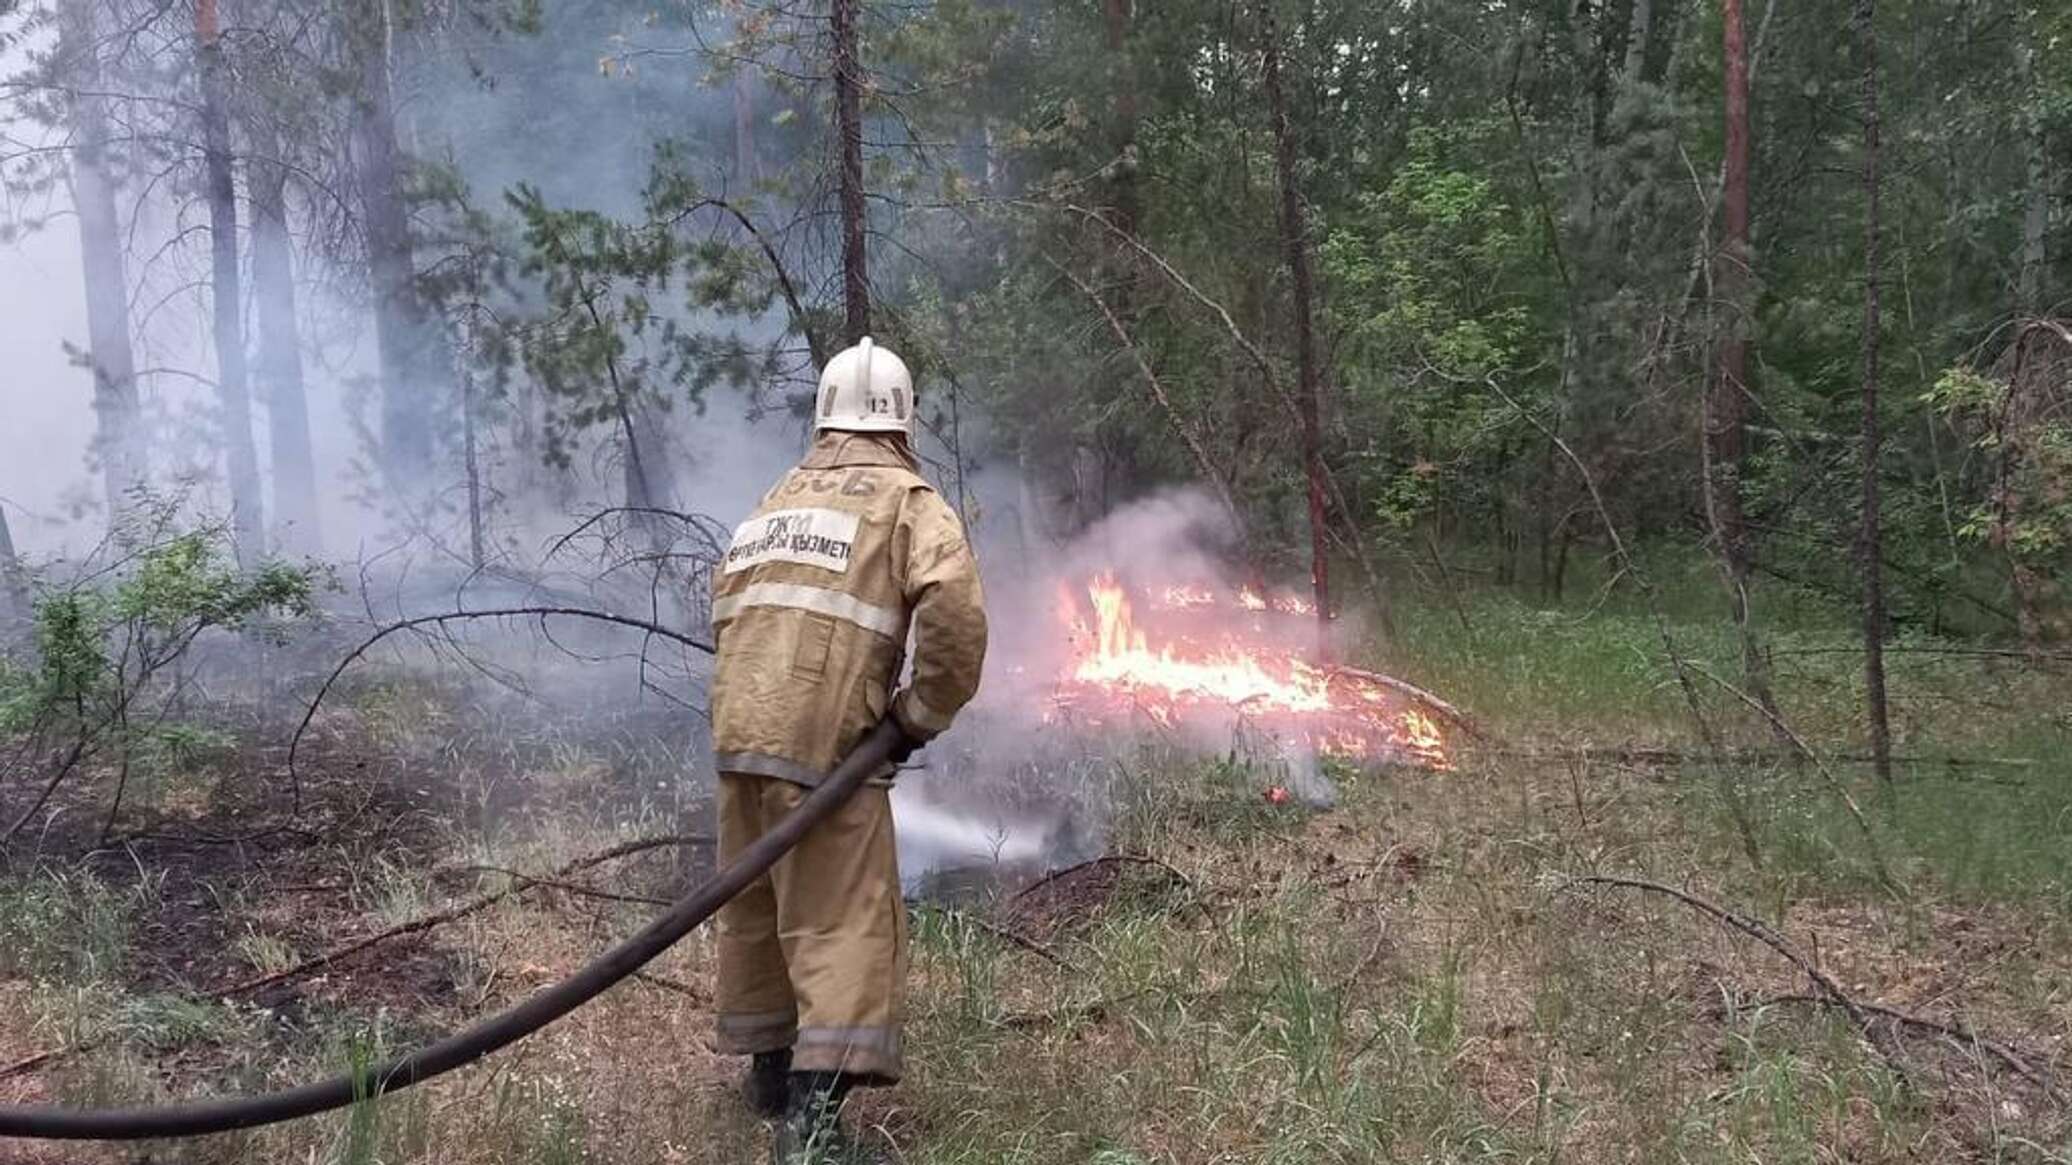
[(865, 389)]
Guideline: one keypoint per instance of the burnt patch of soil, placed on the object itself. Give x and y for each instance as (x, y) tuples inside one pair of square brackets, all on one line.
[(406, 976), (1069, 898)]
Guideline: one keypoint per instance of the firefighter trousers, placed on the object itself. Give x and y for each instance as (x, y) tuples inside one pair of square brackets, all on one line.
[(812, 956)]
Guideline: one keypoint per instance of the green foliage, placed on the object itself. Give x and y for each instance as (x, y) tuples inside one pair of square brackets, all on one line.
[(98, 641), (65, 926), (540, 1122), (2016, 426), (1961, 393), (174, 746), (165, 1021), (1432, 269), (71, 650), (1433, 279), (613, 339), (110, 647)]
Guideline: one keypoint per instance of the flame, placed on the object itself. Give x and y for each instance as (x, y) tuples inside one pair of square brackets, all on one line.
[(1122, 658), (1415, 733), (1183, 597), (1338, 712)]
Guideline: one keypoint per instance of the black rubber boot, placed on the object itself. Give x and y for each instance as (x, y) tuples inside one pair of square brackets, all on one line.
[(767, 1087), (811, 1131)]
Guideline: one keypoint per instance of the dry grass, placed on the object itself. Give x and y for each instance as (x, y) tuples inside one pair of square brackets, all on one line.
[(1404, 978)]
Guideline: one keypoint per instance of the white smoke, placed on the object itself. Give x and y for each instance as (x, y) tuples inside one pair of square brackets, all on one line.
[(1018, 786)]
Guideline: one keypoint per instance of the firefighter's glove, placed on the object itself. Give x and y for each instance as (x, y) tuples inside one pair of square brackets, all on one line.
[(907, 745)]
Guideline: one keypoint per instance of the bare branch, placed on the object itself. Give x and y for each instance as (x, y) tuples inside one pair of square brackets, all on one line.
[(541, 613)]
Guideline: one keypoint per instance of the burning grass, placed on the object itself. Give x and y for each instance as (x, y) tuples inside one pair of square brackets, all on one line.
[(1203, 658)]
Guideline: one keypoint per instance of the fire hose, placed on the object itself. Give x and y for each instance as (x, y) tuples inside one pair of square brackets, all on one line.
[(470, 1044)]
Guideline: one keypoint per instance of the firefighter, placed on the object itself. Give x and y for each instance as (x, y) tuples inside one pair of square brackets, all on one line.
[(813, 604)]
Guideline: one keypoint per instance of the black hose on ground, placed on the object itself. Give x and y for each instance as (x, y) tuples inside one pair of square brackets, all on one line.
[(465, 1047)]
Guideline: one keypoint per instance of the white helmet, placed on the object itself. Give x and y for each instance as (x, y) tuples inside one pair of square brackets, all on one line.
[(866, 389)]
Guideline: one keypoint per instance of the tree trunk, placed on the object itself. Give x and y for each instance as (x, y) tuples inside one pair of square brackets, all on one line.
[(1872, 549), (2029, 288), (119, 439), (233, 390), (1726, 399), (412, 368), (1122, 194), (14, 587), (1295, 243), (856, 300), (748, 167), (1638, 28), (471, 461), (1546, 521), (280, 351), (648, 484)]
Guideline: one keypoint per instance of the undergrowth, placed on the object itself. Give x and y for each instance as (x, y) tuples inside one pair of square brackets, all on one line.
[(1409, 976)]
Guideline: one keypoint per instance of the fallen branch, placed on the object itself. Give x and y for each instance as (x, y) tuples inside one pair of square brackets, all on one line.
[(1459, 718), (527, 882), (1013, 938), (451, 914), (1093, 1012), (1098, 1010), (1959, 652), (1107, 859), (29, 1063), (1761, 932), (1959, 1032), (673, 986), (1663, 755)]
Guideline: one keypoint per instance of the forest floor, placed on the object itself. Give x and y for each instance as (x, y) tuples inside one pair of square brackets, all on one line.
[(1416, 974)]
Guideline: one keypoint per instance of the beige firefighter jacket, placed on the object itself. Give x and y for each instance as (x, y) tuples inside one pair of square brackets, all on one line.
[(813, 602)]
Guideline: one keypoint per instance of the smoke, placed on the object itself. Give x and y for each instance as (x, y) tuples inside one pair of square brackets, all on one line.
[(46, 416), (483, 109), (486, 110), (1017, 785)]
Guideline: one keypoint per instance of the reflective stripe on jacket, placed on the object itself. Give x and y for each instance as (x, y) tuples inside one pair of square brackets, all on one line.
[(813, 603)]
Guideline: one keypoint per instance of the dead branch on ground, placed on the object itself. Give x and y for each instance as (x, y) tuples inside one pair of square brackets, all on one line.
[(1459, 718), (528, 882), (1956, 1031), (1107, 859), (454, 913), (521, 883), (30, 1063), (1647, 754), (673, 986), (1763, 933), (1012, 937)]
